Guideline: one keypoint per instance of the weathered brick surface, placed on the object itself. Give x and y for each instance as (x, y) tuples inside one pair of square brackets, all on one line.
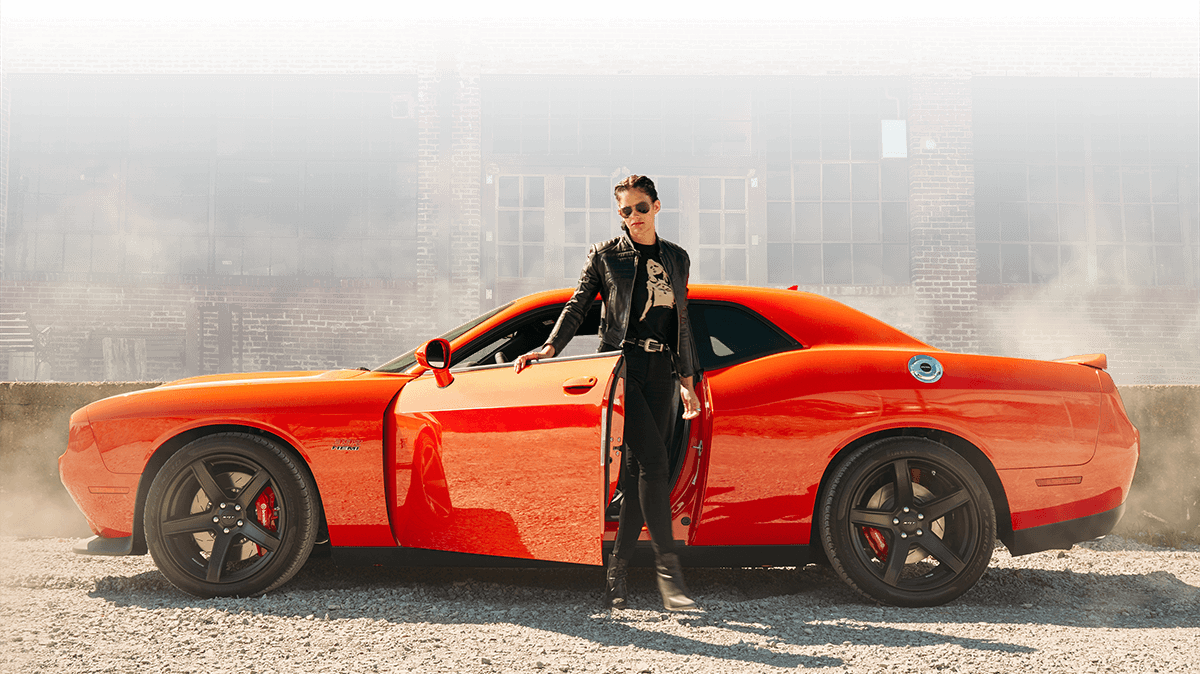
[(320, 325), (5, 108), (1150, 335), (466, 157), (941, 212)]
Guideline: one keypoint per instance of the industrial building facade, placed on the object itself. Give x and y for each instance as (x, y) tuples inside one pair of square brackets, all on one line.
[(253, 196)]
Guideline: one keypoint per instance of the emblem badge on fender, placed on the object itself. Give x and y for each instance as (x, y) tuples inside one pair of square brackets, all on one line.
[(346, 446)]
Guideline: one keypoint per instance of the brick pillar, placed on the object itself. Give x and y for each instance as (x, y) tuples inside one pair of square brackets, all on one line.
[(5, 115), (449, 218), (433, 195), (467, 157), (942, 212)]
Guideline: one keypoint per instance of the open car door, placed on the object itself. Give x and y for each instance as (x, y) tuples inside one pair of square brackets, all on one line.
[(504, 464)]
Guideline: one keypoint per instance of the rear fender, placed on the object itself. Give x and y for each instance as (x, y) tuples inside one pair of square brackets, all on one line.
[(964, 448)]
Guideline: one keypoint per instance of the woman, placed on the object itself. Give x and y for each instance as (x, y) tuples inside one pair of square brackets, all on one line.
[(642, 281)]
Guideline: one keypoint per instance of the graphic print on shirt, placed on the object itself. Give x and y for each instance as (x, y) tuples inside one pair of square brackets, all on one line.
[(658, 288)]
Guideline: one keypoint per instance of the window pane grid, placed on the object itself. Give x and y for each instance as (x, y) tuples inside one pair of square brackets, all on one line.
[(521, 226), (589, 216), (851, 207), (836, 212), (1068, 181), (722, 230), (669, 215), (122, 172)]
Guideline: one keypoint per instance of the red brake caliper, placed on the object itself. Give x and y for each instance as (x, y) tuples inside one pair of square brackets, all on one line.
[(264, 506), (875, 537), (877, 542)]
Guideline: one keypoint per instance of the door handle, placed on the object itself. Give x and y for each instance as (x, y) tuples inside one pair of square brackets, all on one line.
[(579, 385)]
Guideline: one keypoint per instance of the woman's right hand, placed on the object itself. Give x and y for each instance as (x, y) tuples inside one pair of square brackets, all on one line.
[(526, 359)]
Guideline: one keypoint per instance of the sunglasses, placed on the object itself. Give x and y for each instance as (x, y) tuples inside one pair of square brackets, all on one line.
[(642, 208)]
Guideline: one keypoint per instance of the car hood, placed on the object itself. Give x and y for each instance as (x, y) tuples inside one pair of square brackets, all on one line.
[(254, 377)]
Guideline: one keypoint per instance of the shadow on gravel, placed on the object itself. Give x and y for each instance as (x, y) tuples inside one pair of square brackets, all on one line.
[(1108, 598), (784, 607)]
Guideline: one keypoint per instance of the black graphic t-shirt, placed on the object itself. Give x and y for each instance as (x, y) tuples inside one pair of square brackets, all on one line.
[(652, 313)]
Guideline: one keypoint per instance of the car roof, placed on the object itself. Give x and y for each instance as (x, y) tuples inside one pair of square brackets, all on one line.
[(809, 318)]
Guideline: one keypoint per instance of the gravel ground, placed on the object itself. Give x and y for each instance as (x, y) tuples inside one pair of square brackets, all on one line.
[(1112, 605)]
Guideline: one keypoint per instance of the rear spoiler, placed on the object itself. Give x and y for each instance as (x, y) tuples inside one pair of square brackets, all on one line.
[(1096, 360)]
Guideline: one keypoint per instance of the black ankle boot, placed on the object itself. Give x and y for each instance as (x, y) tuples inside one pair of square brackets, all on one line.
[(670, 584), (615, 589)]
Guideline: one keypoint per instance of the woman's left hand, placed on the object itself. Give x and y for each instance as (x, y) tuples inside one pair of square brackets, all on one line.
[(691, 402)]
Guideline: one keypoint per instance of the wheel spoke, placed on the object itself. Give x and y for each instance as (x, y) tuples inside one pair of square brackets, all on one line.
[(871, 518), (220, 550), (897, 556), (904, 488), (207, 482), (935, 510), (253, 487), (934, 546), (261, 536), (188, 525)]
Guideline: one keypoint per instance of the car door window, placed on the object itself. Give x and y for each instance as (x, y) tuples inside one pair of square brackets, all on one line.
[(527, 333), (728, 334)]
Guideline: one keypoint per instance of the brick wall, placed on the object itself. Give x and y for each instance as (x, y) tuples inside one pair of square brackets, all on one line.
[(5, 108), (1151, 335), (466, 157), (5, 116), (941, 212), (320, 325)]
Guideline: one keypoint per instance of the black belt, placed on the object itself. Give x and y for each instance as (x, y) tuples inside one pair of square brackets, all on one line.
[(651, 345)]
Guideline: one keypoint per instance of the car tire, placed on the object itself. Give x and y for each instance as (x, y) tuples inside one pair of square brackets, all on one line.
[(231, 514), (913, 495)]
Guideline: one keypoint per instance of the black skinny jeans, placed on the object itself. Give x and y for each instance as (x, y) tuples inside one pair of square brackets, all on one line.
[(650, 391)]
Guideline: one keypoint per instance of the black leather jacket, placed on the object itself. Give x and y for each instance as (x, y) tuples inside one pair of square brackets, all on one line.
[(610, 270)]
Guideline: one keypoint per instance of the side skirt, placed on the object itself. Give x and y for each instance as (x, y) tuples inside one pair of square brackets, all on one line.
[(693, 556), (423, 557), (725, 556), (1062, 535)]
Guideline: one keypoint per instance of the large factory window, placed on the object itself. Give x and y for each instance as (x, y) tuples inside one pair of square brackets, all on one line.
[(722, 231), (589, 216), (837, 213), (621, 117), (1087, 182), (153, 176), (521, 226)]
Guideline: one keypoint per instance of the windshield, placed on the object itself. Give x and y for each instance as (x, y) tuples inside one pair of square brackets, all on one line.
[(409, 359)]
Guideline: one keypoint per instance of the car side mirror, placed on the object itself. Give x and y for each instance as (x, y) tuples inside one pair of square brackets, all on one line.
[(435, 355)]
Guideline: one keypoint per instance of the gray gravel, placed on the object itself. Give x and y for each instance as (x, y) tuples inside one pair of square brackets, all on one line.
[(1107, 606)]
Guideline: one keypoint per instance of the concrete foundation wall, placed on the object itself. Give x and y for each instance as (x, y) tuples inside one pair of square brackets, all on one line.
[(34, 417)]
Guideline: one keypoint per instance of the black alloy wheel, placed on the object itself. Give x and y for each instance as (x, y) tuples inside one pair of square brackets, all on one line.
[(231, 515), (907, 521)]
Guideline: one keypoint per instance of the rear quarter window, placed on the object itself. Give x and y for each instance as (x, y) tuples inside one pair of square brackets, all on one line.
[(728, 334)]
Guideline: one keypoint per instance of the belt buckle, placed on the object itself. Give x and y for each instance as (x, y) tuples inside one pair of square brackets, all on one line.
[(653, 345)]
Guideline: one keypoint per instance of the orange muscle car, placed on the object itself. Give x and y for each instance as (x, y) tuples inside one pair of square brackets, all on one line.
[(825, 436)]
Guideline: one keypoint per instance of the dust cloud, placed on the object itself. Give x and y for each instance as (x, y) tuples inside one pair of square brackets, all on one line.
[(33, 500), (1154, 362)]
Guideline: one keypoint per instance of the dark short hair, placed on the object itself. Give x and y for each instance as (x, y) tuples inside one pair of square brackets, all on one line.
[(636, 182)]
